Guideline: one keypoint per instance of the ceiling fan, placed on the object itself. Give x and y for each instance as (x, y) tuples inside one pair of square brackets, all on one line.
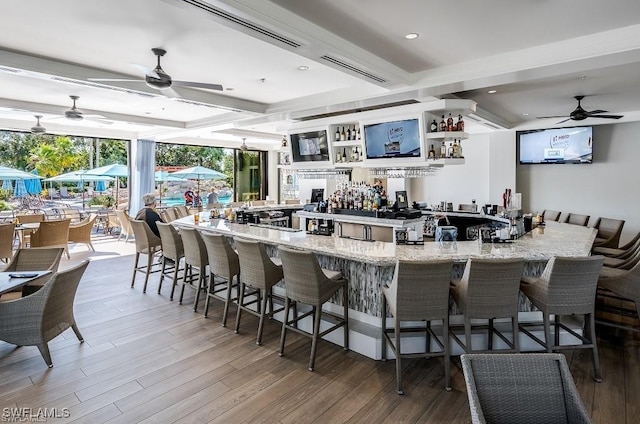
[(579, 114), (244, 146), (157, 78), (76, 114), (37, 128)]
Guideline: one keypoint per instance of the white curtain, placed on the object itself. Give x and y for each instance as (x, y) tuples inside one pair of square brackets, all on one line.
[(142, 165)]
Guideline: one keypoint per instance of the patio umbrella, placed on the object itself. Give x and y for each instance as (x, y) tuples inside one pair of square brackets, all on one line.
[(199, 173), (113, 170), (164, 176), (34, 186), (100, 185), (6, 185), (7, 173), (81, 176), (20, 190)]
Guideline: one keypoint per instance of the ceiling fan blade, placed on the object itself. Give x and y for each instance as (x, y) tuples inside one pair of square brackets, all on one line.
[(591, 112), (197, 85), (145, 70), (115, 79), (565, 120), (606, 116), (547, 117), (170, 92)]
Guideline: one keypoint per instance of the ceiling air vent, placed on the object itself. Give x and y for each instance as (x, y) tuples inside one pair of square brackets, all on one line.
[(352, 68), (243, 23), (9, 70)]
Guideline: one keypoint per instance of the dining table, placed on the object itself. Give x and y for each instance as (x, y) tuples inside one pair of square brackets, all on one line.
[(12, 280), (24, 230)]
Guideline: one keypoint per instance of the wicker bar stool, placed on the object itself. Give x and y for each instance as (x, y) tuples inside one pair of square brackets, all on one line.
[(260, 272), (195, 256), (489, 289), (172, 255), (567, 286), (223, 263), (419, 292), (148, 244), (305, 282)]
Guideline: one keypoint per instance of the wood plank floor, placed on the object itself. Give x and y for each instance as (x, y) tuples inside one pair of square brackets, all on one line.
[(149, 360)]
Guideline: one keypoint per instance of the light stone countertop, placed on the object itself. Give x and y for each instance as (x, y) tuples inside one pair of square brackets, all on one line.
[(542, 243)]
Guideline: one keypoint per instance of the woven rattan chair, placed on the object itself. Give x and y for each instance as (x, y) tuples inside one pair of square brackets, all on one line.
[(52, 234), (36, 319), (35, 259), (489, 289), (609, 231), (31, 218), (305, 282), (195, 257), (522, 388), (7, 237), (148, 244), (419, 292), (577, 219), (172, 255), (113, 222), (621, 285), (81, 232), (620, 251), (182, 211), (625, 261), (171, 214), (125, 225), (71, 214), (259, 272), (224, 264), (550, 215), (567, 286)]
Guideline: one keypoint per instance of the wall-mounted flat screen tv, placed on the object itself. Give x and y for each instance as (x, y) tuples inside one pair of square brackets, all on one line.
[(395, 139), (556, 145), (310, 146)]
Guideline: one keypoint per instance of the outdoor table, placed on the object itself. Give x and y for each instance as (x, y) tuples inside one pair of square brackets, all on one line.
[(9, 283)]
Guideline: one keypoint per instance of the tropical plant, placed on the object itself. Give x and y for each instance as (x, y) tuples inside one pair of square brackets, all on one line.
[(5, 194), (105, 200), (5, 206)]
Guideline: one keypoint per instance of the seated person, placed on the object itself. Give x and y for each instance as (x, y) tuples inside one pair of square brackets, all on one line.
[(212, 198), (148, 213), (188, 197)]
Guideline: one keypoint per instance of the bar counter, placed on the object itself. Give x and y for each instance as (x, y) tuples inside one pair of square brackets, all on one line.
[(368, 265)]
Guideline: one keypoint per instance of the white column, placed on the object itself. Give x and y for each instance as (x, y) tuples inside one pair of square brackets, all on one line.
[(142, 165)]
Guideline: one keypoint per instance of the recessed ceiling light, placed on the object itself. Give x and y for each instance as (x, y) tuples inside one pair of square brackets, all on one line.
[(492, 91), (303, 68), (525, 114), (229, 88), (411, 36)]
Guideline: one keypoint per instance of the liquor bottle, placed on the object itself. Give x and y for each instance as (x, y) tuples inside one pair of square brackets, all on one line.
[(358, 133), (460, 155), (337, 133), (449, 123), (432, 153), (450, 150), (356, 155), (338, 157), (443, 150), (456, 152), (343, 136), (349, 133), (460, 124), (434, 126), (344, 155), (443, 125)]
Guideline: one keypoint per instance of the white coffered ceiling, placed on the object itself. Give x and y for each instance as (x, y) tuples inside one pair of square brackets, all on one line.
[(536, 54)]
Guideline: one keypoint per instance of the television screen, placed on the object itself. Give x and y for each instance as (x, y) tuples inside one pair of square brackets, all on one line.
[(392, 139), (557, 145), (310, 146)]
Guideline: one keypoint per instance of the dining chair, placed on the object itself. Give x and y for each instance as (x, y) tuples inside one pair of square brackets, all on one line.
[(125, 225), (81, 231), (33, 259), (147, 244), (7, 238), (52, 234)]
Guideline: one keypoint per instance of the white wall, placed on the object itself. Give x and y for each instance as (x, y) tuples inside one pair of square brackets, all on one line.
[(608, 187), (489, 168)]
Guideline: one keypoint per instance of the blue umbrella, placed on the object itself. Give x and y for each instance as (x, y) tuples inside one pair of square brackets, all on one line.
[(6, 185), (20, 190), (100, 186), (34, 186)]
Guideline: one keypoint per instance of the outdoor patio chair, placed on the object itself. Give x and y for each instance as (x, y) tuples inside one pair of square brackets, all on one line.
[(81, 231), (64, 193), (52, 234), (7, 237), (36, 319), (125, 225), (46, 258)]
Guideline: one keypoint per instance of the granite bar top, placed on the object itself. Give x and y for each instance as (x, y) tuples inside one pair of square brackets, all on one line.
[(556, 239), (472, 215), (356, 219)]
